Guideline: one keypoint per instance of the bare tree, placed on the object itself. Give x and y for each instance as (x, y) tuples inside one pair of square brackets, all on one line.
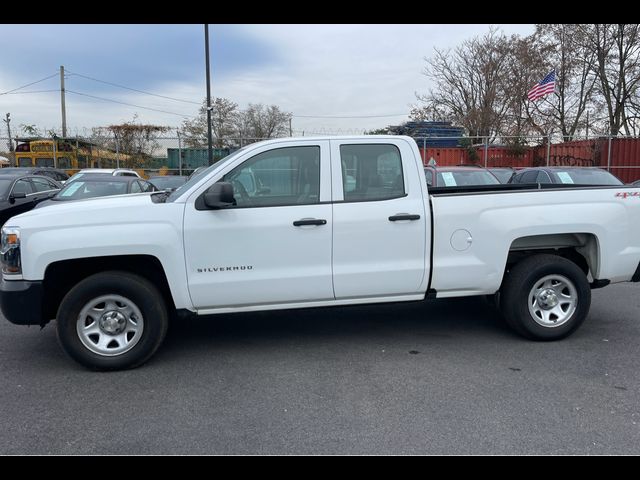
[(561, 47), (30, 130), (524, 62), (469, 84), (232, 126), (616, 48), (224, 117), (137, 141), (260, 121)]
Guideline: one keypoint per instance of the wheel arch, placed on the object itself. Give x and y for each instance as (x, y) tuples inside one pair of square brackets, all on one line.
[(62, 275), (582, 248)]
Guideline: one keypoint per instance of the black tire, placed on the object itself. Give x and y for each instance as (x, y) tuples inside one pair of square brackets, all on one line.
[(143, 295), (519, 282)]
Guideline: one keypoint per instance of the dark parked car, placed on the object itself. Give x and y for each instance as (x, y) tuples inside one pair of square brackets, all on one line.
[(20, 193), (566, 176), (503, 174), (458, 176), (163, 182), (57, 175), (92, 186)]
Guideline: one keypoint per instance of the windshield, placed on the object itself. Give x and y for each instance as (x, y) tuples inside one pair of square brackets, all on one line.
[(199, 175), (75, 177), (5, 185), (465, 177), (580, 176), (90, 189), (168, 181)]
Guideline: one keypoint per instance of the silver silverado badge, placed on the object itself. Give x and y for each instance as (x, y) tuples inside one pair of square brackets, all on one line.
[(225, 269)]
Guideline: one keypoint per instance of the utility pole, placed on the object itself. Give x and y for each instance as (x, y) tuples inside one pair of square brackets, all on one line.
[(62, 105), (7, 120), (587, 124), (209, 136), (117, 150), (179, 153), (290, 131)]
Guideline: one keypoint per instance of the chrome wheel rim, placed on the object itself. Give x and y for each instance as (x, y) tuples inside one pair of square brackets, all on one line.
[(110, 325), (553, 300)]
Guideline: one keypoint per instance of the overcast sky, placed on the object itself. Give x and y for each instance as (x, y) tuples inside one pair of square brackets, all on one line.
[(308, 70)]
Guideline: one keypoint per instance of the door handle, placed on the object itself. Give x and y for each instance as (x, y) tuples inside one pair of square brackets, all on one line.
[(403, 216), (309, 221)]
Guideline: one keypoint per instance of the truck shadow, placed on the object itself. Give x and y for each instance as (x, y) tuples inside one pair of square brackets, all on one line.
[(443, 318)]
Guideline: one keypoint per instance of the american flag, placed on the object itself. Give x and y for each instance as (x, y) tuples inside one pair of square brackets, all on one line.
[(546, 86)]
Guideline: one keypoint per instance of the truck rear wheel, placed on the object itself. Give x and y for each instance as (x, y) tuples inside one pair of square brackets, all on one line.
[(545, 297), (112, 321)]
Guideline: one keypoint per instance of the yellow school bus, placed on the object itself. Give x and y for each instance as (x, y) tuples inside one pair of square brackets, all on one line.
[(69, 154)]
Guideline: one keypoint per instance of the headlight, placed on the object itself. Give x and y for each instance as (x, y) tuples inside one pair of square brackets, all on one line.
[(10, 251)]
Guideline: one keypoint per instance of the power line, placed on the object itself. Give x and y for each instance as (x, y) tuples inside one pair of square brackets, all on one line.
[(198, 103), (130, 104), (29, 84), (351, 116), (134, 89), (31, 91)]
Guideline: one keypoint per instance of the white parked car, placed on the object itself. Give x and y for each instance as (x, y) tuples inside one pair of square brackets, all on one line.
[(331, 221), (106, 171)]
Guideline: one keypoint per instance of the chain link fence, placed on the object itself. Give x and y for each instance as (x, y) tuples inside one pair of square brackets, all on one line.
[(618, 155), (173, 155)]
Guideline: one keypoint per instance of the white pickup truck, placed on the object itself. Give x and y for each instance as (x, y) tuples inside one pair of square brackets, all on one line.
[(311, 222)]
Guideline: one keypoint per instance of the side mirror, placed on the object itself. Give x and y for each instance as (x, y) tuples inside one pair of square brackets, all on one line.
[(13, 196), (220, 195)]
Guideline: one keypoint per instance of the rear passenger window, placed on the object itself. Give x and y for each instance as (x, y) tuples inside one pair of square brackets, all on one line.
[(371, 172), (42, 184)]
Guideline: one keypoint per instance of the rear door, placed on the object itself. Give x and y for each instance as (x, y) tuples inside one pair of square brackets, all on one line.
[(44, 189), (380, 224)]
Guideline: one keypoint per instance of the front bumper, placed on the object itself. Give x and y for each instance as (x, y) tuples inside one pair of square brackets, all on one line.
[(21, 301)]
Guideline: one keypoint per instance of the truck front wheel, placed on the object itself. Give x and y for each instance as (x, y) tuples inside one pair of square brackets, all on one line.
[(112, 320), (545, 297)]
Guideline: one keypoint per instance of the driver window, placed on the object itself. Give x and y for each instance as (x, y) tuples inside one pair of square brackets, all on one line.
[(283, 176), (22, 186)]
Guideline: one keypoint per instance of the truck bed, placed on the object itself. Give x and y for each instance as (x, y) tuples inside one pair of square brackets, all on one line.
[(515, 187)]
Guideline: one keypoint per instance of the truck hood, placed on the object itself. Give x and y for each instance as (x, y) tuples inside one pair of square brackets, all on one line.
[(115, 209)]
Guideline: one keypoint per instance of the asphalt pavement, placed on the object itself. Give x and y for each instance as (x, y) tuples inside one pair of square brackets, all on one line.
[(436, 377)]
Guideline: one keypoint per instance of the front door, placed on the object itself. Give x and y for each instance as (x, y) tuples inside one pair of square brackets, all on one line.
[(380, 223), (274, 246), (20, 204)]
